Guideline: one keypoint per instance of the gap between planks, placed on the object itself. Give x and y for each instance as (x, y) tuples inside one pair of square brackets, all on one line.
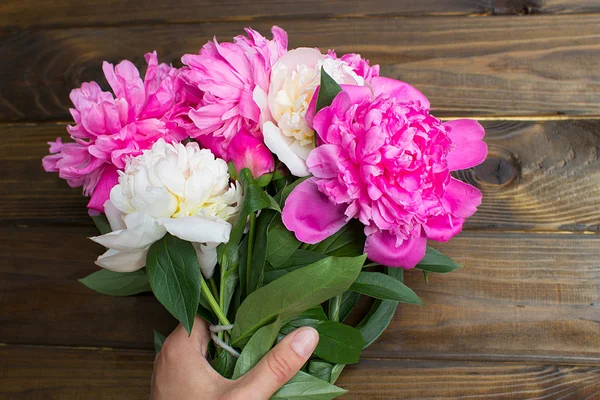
[(459, 357)]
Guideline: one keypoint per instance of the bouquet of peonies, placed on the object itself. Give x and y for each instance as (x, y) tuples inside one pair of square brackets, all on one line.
[(265, 189)]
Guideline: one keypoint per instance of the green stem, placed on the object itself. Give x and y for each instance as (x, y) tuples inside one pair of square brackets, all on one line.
[(334, 308), (213, 287), (251, 235), (213, 303)]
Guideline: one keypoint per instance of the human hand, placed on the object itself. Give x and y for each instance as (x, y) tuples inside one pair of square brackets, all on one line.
[(181, 370)]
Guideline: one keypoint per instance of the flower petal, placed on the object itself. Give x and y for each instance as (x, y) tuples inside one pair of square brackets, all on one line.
[(107, 181), (381, 248), (114, 216), (280, 145), (123, 261), (461, 199), (400, 90), (443, 227), (323, 162), (311, 215), (197, 229), (207, 257), (142, 230), (470, 150)]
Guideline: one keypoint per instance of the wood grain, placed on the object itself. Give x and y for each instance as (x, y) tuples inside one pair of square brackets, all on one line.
[(542, 176), (68, 13), (42, 301), (466, 66), (518, 297), (63, 373)]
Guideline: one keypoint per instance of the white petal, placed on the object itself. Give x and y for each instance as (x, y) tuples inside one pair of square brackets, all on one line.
[(302, 151), (171, 176), (280, 145), (198, 229), (119, 200), (207, 257), (123, 261), (114, 216), (155, 201), (260, 98), (142, 230), (198, 188)]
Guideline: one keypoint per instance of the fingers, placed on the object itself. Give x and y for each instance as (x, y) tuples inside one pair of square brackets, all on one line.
[(280, 364), (179, 341)]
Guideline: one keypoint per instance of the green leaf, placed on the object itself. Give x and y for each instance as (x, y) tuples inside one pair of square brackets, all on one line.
[(380, 315), (102, 223), (283, 194), (307, 387), (349, 241), (426, 276), (338, 343), (336, 371), (174, 275), (264, 180), (434, 261), (281, 243), (320, 369), (301, 258), (224, 364), (329, 89), (117, 283), (349, 300), (259, 254), (313, 313), (294, 293), (384, 287), (159, 339), (229, 281), (258, 346), (232, 171), (207, 314)]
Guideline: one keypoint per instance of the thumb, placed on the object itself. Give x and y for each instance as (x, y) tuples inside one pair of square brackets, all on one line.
[(280, 364)]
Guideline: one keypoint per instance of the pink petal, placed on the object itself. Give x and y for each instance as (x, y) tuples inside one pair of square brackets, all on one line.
[(311, 215), (107, 181), (443, 227), (323, 161), (246, 151), (357, 94), (470, 150), (400, 90), (381, 248), (461, 199)]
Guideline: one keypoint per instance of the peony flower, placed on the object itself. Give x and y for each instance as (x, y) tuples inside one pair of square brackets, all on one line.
[(227, 74), (171, 188), (386, 160), (245, 150), (294, 80), (108, 129), (359, 65)]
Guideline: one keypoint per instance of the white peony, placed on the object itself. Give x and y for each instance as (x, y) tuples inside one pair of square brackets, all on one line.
[(294, 79), (171, 188)]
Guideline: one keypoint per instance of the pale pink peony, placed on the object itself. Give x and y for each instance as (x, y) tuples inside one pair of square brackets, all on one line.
[(108, 129), (386, 161), (359, 65), (227, 74)]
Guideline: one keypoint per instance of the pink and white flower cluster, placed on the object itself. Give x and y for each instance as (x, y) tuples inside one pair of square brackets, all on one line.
[(375, 154)]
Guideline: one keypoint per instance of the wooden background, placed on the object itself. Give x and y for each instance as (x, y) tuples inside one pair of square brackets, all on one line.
[(520, 321)]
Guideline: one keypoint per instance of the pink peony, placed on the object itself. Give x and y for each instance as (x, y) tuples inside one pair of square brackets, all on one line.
[(108, 129), (227, 74), (244, 150), (358, 64), (386, 161)]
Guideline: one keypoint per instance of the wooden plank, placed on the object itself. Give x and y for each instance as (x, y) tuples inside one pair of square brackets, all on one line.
[(44, 373), (42, 301), (63, 13), (467, 66), (518, 297), (541, 176), (63, 373)]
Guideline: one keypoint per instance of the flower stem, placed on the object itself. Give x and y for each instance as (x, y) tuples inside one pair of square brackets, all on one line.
[(251, 235), (213, 303), (213, 287), (334, 308)]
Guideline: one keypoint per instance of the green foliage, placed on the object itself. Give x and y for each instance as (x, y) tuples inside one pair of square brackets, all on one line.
[(307, 387), (384, 287), (159, 339), (434, 261), (257, 347), (328, 90), (101, 223), (174, 275), (117, 283), (294, 293)]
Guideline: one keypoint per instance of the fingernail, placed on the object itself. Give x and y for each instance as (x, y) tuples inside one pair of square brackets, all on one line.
[(305, 341)]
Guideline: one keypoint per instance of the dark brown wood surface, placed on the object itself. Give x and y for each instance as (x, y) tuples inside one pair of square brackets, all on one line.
[(521, 320)]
